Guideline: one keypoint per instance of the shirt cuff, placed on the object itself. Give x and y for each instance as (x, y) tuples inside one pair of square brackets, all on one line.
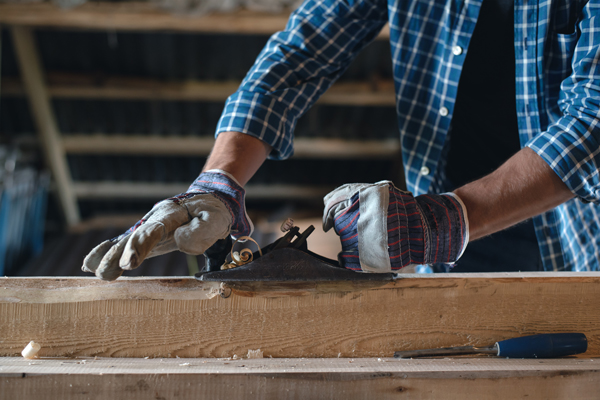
[(263, 117), (565, 152)]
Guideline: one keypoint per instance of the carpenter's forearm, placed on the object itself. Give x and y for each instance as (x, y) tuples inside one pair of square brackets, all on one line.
[(238, 154), (521, 188)]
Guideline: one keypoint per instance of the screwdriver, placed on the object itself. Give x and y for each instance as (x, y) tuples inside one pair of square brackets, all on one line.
[(548, 345)]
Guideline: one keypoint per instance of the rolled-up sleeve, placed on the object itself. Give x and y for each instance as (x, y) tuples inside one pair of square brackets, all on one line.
[(570, 145), (297, 65)]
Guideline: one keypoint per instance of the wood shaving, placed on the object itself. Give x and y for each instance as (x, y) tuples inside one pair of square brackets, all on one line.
[(30, 351)]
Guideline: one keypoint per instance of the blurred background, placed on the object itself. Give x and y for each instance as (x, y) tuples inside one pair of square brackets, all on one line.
[(108, 107)]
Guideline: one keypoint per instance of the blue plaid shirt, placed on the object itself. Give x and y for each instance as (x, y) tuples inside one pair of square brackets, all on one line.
[(557, 48)]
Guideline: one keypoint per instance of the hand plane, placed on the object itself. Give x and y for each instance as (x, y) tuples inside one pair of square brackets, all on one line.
[(285, 260)]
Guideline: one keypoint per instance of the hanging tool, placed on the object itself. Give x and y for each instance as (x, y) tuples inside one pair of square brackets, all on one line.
[(549, 345)]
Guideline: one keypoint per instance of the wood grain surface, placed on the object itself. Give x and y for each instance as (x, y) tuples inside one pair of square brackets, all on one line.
[(339, 378), (149, 317)]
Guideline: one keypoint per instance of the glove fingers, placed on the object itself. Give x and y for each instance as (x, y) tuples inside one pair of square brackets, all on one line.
[(140, 244), (93, 259), (109, 269), (166, 245), (202, 232)]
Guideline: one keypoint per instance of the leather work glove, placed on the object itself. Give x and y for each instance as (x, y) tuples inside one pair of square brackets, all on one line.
[(212, 208), (383, 228)]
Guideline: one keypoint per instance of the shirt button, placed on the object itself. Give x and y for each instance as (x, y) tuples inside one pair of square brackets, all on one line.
[(457, 50), (443, 111), (424, 170)]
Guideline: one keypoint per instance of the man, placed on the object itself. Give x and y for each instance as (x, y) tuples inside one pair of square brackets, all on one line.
[(543, 54)]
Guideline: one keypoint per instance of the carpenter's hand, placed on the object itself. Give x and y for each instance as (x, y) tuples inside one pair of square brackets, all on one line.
[(383, 228), (211, 209)]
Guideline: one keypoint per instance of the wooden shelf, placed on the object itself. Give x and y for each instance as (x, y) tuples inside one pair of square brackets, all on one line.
[(148, 190), (201, 146), (80, 86), (142, 16)]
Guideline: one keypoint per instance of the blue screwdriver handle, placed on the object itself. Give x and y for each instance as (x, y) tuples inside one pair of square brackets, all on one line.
[(549, 345)]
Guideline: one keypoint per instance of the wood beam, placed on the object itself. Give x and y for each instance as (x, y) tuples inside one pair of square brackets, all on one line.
[(338, 378), (149, 190), (80, 86), (143, 16), (201, 146), (153, 317), (39, 101), (124, 221)]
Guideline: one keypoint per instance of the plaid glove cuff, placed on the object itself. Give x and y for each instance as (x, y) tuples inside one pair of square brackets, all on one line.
[(445, 227), (406, 244), (224, 187)]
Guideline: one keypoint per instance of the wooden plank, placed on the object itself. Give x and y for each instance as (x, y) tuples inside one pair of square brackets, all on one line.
[(136, 16), (201, 146), (342, 378), (146, 317), (143, 16), (137, 144), (71, 86), (124, 221), (39, 101), (150, 190), (88, 87)]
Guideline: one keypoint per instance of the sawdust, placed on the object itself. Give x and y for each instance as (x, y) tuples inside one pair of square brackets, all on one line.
[(255, 354)]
